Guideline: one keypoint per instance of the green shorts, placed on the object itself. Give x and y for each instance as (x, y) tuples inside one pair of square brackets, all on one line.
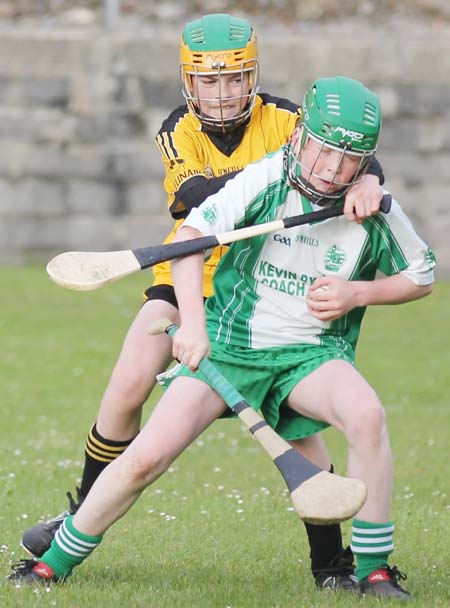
[(265, 378)]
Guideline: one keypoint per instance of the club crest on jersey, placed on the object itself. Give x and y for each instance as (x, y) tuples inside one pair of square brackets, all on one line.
[(348, 134), (210, 214), (334, 259), (430, 259)]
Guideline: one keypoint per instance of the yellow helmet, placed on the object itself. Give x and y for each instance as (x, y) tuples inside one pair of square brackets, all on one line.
[(216, 46)]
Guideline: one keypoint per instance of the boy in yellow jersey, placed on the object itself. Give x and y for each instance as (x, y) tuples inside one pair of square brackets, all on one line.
[(224, 125)]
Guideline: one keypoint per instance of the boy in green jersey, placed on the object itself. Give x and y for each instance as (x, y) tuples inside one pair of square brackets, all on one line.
[(290, 305)]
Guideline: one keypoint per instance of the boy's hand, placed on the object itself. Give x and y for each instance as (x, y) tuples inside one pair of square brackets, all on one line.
[(330, 297), (363, 199), (191, 344)]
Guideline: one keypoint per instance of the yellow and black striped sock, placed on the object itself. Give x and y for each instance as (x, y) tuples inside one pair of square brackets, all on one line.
[(99, 452)]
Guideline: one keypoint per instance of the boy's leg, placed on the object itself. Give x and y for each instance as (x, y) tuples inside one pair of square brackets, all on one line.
[(119, 418), (338, 394), (118, 421), (142, 357), (187, 408)]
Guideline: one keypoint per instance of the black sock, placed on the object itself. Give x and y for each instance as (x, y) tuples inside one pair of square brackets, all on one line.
[(99, 452), (325, 543)]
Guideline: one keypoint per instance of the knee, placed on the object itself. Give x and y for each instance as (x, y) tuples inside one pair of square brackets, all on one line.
[(132, 384), (142, 468), (368, 426)]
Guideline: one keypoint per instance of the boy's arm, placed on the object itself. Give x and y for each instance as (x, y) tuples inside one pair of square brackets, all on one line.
[(185, 182), (363, 199), (194, 191), (218, 214), (190, 343), (376, 169), (331, 297)]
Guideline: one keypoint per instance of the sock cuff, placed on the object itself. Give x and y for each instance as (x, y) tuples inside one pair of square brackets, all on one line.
[(104, 450), (372, 538), (111, 443), (85, 538), (367, 527)]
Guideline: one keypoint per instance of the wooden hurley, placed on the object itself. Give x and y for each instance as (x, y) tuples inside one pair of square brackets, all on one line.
[(318, 497), (87, 270)]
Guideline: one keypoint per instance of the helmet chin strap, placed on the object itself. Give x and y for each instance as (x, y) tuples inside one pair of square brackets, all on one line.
[(321, 198), (211, 125)]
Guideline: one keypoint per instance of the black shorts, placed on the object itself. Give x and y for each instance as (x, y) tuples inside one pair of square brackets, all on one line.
[(161, 292)]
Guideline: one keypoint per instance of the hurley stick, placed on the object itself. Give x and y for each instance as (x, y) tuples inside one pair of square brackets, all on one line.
[(87, 270), (318, 496)]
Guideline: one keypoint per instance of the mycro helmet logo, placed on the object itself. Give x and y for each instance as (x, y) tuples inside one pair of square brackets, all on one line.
[(216, 59), (353, 135)]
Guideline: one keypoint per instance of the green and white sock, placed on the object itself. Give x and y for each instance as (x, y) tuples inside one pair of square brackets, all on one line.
[(69, 548), (372, 543)]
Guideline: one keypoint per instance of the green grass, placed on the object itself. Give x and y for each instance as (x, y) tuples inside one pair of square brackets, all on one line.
[(217, 530)]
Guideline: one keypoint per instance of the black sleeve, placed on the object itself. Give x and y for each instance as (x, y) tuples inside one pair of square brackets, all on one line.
[(376, 169), (194, 191)]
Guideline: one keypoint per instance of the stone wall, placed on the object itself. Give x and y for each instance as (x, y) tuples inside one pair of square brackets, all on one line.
[(79, 107)]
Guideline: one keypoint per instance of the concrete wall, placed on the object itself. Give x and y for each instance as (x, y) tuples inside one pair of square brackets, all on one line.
[(79, 108)]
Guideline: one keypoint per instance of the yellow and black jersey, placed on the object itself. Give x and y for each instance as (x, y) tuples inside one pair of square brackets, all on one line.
[(198, 163)]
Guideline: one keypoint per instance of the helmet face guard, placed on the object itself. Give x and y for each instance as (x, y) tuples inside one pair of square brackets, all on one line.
[(340, 117), (301, 176), (219, 48), (248, 76)]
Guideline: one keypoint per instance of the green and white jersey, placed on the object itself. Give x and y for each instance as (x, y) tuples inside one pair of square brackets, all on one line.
[(261, 284)]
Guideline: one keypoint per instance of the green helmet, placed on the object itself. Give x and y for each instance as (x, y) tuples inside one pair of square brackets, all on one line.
[(214, 46), (341, 114)]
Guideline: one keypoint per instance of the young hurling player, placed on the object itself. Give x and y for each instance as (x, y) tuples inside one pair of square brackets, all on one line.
[(224, 125), (274, 344)]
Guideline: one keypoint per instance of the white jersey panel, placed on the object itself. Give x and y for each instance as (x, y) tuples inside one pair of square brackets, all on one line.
[(288, 265)]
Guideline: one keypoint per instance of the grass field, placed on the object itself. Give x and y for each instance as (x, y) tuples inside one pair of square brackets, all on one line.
[(218, 529)]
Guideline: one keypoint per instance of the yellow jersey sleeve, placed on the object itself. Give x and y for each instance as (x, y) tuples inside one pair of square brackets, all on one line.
[(177, 141)]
